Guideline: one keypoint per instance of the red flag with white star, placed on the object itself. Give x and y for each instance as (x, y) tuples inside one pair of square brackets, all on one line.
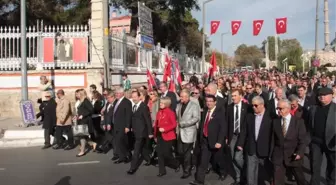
[(257, 25), (281, 25)]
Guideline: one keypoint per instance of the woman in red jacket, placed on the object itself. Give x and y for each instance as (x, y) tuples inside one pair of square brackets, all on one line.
[(165, 135)]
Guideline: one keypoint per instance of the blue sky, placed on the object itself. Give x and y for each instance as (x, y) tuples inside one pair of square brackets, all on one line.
[(300, 14)]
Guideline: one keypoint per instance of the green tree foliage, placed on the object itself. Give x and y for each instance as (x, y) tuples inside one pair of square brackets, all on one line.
[(292, 50), (271, 46), (52, 12), (219, 56), (248, 55), (172, 23)]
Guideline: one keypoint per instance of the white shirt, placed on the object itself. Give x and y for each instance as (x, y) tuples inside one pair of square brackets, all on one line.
[(234, 114), (276, 105), (301, 101), (210, 114), (137, 105), (219, 94), (288, 118), (257, 121), (164, 94)]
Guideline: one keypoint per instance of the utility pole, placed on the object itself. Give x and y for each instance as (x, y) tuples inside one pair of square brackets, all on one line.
[(316, 35), (24, 81), (203, 39), (106, 53), (222, 36)]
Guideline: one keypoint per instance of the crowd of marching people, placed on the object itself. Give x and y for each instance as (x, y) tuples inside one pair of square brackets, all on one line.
[(242, 125)]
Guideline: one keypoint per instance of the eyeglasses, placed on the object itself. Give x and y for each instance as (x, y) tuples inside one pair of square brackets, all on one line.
[(248, 88), (279, 108), (255, 105), (195, 93)]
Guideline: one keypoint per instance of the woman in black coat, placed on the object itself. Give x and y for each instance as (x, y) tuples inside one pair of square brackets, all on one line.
[(84, 117), (49, 121), (98, 105)]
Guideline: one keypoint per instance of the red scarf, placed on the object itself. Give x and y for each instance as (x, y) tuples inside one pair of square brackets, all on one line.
[(293, 111)]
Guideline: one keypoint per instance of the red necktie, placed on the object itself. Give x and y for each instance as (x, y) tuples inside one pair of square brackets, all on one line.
[(206, 123)]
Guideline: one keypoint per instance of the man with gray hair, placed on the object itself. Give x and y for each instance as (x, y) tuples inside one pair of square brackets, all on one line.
[(289, 136), (213, 90), (274, 102), (296, 109), (122, 112), (256, 139)]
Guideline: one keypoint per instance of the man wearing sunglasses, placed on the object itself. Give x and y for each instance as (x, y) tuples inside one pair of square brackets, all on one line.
[(289, 136), (256, 140)]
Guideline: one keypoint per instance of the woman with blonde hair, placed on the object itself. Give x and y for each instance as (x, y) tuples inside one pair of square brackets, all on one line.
[(84, 117), (165, 136)]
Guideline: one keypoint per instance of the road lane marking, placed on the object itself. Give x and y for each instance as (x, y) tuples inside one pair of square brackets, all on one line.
[(2, 169), (78, 163)]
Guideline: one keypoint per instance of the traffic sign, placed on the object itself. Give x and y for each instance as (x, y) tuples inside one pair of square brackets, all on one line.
[(147, 42), (144, 12), (146, 28)]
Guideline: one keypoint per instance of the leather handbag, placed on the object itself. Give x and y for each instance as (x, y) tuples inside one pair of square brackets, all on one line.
[(80, 130)]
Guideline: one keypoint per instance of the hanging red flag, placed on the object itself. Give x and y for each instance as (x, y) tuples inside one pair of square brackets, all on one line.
[(235, 25), (257, 25), (214, 27), (150, 80), (281, 25), (167, 69), (213, 67)]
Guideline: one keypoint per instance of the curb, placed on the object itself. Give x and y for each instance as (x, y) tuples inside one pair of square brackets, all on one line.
[(21, 143)]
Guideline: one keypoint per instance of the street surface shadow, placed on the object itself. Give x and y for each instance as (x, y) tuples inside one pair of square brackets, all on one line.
[(64, 181)]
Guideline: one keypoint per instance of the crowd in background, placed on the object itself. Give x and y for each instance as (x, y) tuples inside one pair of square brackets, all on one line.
[(237, 125)]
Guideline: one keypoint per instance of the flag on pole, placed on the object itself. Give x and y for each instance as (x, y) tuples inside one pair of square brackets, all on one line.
[(150, 80), (213, 66), (167, 69)]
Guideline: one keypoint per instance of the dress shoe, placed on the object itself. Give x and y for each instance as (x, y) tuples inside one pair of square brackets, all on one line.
[(131, 172), (119, 161), (57, 147), (69, 147), (46, 147), (114, 158), (80, 155), (185, 175), (195, 182), (147, 164), (161, 174), (222, 177)]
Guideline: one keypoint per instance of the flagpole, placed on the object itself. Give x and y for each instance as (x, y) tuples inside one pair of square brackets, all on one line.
[(203, 33)]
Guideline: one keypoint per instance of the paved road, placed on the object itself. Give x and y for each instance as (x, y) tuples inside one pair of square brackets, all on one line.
[(32, 166)]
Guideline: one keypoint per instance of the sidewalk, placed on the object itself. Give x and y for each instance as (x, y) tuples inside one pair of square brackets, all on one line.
[(13, 134)]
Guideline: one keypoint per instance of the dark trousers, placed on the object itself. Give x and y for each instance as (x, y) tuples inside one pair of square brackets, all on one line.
[(280, 173), (207, 154), (47, 133), (141, 152), (98, 131), (253, 166), (184, 154), (165, 155), (317, 151), (237, 158), (121, 145), (68, 131)]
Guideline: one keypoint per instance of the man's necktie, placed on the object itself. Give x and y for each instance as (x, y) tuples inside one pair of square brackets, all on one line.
[(284, 126), (236, 121), (206, 123), (134, 108)]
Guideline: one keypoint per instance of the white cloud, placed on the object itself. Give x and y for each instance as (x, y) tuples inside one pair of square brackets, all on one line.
[(300, 14)]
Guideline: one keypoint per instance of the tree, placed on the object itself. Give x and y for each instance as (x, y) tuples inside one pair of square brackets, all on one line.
[(52, 12), (173, 23), (248, 56), (292, 50), (220, 63)]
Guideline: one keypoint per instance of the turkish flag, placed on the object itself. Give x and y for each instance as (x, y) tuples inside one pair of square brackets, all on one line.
[(235, 25), (281, 25), (167, 69), (214, 27), (257, 25), (213, 63), (150, 80)]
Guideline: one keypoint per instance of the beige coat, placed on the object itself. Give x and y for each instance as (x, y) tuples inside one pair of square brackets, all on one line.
[(63, 112)]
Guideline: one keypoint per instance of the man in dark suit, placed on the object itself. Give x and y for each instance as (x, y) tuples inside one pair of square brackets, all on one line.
[(212, 138), (261, 93), (256, 139), (141, 126), (236, 118), (171, 95), (289, 136), (122, 112), (107, 117), (273, 103), (322, 130), (249, 94), (305, 101)]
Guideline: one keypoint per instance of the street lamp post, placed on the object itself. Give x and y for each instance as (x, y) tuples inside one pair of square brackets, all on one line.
[(203, 33), (222, 52), (316, 34), (24, 81)]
